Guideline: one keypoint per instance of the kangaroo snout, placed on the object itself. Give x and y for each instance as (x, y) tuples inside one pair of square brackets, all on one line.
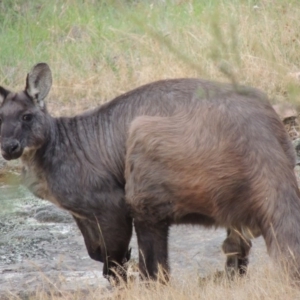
[(11, 149)]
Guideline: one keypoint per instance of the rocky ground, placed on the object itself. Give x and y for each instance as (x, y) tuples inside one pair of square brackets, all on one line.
[(42, 249)]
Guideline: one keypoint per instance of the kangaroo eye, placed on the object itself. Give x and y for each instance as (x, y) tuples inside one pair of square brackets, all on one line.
[(27, 118)]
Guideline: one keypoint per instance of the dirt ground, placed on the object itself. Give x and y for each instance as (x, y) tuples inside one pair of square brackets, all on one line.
[(42, 249)]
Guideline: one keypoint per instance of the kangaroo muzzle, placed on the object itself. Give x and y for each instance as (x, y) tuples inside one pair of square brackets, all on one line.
[(11, 149)]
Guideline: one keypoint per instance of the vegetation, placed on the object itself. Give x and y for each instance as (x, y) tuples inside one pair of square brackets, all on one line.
[(263, 283), (100, 49)]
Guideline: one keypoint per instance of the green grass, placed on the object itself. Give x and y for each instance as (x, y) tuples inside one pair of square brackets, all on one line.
[(98, 49)]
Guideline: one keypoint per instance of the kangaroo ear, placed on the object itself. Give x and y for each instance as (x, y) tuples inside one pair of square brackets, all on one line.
[(3, 94), (38, 83)]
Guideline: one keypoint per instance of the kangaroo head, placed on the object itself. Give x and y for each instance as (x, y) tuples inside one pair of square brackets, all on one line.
[(23, 115)]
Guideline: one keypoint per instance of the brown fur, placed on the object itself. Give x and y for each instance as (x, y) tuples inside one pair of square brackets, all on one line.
[(224, 161)]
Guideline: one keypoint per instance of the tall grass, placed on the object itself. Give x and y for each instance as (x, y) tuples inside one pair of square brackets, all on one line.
[(99, 49)]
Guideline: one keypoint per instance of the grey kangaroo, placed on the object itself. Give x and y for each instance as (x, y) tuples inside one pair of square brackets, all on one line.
[(78, 163)]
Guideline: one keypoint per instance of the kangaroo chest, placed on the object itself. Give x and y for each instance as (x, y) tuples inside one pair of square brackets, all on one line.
[(36, 182)]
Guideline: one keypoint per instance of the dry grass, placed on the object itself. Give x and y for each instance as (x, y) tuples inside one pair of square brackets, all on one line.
[(96, 54), (262, 283), (264, 56)]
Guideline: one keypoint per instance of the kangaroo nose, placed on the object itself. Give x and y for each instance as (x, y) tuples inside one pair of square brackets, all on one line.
[(10, 149), (14, 147)]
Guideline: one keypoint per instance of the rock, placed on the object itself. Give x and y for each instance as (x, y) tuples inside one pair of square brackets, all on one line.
[(37, 235), (51, 213), (290, 118), (285, 110)]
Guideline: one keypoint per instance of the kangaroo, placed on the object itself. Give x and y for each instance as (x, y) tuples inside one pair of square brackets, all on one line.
[(78, 162)]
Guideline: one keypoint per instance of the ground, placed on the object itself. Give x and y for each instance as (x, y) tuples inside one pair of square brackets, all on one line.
[(42, 249)]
